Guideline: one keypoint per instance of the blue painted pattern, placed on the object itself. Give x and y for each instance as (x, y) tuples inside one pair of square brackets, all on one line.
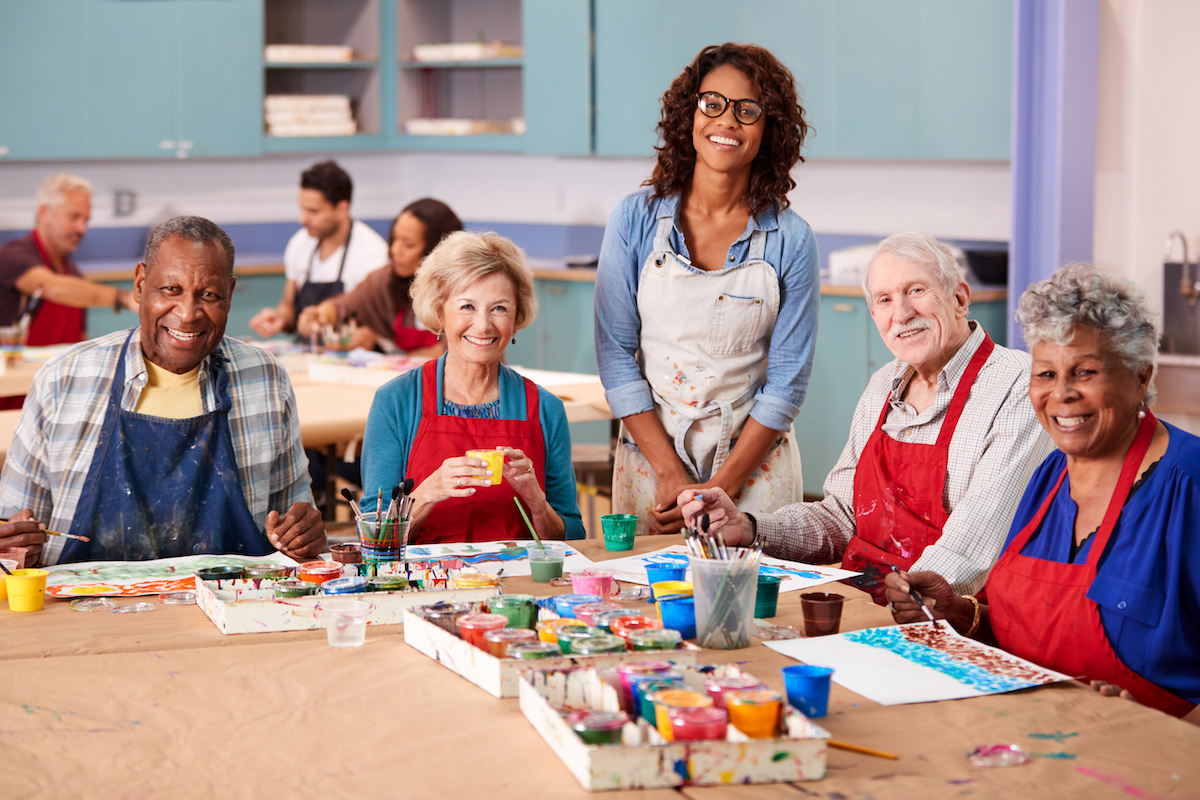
[(979, 678)]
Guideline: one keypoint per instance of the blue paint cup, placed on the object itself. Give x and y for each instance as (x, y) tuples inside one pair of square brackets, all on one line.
[(808, 688), (657, 573), (564, 604), (679, 614)]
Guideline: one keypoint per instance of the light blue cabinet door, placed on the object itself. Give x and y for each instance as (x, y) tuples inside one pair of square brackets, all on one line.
[(220, 76), (557, 76), (130, 68), (839, 377), (567, 340), (41, 92)]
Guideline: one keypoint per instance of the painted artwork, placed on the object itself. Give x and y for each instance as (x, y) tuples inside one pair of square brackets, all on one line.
[(492, 557), (134, 578), (917, 663), (796, 576)]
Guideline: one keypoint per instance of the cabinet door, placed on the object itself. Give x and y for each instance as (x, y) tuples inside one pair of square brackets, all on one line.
[(567, 341), (220, 77), (839, 377), (130, 68), (557, 76), (41, 47)]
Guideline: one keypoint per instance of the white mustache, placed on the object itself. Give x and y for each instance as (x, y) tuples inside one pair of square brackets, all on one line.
[(918, 324)]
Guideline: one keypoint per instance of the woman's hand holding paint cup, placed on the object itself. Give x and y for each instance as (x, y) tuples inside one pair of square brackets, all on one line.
[(494, 459)]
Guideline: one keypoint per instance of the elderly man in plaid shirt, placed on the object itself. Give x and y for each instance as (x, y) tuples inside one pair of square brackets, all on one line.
[(942, 443), (167, 440)]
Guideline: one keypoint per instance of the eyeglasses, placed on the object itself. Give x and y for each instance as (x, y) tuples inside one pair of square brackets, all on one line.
[(713, 104)]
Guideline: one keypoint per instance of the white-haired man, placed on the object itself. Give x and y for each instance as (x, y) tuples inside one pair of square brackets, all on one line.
[(42, 260), (942, 443)]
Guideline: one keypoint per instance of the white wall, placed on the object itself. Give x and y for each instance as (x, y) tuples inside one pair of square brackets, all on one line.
[(1148, 147), (966, 200)]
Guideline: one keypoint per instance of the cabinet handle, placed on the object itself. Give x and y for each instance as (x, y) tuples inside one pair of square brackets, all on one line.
[(554, 289), (166, 144), (843, 307)]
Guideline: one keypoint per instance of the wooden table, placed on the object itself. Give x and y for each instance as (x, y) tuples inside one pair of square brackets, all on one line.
[(162, 705)]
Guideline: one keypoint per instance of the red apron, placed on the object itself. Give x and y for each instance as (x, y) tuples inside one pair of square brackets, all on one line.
[(54, 323), (898, 489), (489, 514), (1059, 626)]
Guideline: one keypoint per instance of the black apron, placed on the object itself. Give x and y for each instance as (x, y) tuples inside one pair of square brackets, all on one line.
[(313, 294)]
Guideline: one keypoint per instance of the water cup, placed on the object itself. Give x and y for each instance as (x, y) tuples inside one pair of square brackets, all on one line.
[(822, 612), (808, 688), (380, 542), (495, 462), (657, 573), (546, 564), (679, 614), (26, 589), (767, 599), (724, 591), (619, 531), (597, 582), (12, 343), (345, 622), (11, 565)]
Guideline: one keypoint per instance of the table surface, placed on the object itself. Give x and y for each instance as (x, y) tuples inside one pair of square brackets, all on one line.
[(161, 704)]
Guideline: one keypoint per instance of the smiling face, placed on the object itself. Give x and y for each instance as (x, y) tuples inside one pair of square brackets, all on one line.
[(408, 245), (919, 323), (1085, 397), (320, 217), (722, 143), (62, 227), (479, 319), (183, 302)]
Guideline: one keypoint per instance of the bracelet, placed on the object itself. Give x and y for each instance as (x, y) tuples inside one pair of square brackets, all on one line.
[(975, 621)]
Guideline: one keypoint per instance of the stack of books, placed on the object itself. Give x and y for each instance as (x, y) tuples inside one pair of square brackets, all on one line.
[(309, 115)]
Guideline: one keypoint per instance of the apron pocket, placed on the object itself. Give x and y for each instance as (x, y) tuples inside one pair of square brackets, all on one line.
[(735, 324)]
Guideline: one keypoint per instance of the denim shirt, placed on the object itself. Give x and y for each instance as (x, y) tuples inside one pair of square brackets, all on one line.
[(629, 240)]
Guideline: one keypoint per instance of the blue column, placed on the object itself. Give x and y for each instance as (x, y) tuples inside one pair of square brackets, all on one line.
[(1055, 67)]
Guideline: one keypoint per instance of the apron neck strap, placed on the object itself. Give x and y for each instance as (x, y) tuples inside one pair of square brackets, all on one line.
[(1129, 472)]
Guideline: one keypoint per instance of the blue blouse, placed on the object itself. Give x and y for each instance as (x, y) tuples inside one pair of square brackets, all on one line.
[(1148, 583), (396, 415)]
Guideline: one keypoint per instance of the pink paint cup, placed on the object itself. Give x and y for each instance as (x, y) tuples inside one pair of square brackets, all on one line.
[(597, 582)]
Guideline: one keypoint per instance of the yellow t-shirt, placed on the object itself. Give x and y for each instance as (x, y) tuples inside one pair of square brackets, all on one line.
[(169, 395)]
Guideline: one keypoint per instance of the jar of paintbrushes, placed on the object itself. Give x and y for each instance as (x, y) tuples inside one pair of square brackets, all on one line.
[(725, 581)]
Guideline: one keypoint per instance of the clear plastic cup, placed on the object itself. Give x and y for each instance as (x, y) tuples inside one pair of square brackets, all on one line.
[(546, 563), (345, 622), (724, 590)]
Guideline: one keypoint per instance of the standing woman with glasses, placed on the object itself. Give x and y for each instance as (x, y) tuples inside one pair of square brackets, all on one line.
[(707, 296)]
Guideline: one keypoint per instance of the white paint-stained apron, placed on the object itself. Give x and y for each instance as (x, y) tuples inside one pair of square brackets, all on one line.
[(703, 350)]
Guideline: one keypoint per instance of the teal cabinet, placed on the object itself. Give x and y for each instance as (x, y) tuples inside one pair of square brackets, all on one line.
[(41, 59), (557, 77), (561, 337), (890, 79), (849, 351)]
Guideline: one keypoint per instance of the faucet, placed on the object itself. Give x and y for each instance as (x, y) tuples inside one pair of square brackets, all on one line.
[(1188, 289)]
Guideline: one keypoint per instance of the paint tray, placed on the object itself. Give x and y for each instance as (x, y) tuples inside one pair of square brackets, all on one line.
[(499, 677), (250, 605), (638, 764)]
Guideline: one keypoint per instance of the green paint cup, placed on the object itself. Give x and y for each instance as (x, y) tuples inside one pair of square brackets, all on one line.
[(767, 599), (546, 563), (619, 531)]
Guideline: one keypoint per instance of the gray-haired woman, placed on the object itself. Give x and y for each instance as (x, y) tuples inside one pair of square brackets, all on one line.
[(1099, 574)]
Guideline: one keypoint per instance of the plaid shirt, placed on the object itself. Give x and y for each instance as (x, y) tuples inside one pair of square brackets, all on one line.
[(996, 446), (56, 439)]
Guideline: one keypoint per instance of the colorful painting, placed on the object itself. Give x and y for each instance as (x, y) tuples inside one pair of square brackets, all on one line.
[(134, 578), (796, 576), (492, 557), (917, 663)]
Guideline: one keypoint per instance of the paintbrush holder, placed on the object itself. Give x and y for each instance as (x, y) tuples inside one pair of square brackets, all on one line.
[(380, 541), (724, 592)]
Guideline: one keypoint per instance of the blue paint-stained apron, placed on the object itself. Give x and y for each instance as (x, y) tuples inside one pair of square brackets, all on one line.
[(705, 336), (159, 488)]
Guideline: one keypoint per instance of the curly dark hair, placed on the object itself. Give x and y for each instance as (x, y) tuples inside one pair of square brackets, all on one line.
[(784, 126)]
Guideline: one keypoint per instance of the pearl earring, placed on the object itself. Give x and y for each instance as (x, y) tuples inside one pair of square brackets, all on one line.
[(439, 336)]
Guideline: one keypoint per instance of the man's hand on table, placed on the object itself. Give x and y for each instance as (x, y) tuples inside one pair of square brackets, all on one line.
[(22, 530), (300, 533), (723, 515)]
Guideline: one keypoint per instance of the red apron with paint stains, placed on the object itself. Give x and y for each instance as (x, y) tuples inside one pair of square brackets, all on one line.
[(1040, 610), (898, 488), (489, 514), (54, 323)]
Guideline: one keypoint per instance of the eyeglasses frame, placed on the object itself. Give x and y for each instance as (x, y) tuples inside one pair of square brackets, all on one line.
[(728, 103)]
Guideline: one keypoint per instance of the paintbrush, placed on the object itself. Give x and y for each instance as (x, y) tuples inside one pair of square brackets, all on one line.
[(378, 509), (529, 524), (346, 493), (67, 536), (393, 509), (857, 748), (7, 571), (916, 596)]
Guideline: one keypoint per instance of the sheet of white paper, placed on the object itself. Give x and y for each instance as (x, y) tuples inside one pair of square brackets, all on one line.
[(916, 664), (494, 556), (796, 576)]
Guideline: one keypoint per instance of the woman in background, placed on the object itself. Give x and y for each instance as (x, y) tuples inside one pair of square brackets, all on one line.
[(707, 295), (475, 291)]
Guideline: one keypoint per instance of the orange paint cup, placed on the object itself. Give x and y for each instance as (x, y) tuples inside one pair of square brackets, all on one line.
[(754, 712), (495, 462)]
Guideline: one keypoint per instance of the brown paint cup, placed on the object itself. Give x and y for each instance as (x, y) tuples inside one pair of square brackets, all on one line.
[(822, 612)]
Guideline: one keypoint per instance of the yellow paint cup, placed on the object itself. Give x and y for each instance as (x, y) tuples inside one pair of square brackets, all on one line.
[(548, 629), (670, 589), (26, 589), (495, 461)]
